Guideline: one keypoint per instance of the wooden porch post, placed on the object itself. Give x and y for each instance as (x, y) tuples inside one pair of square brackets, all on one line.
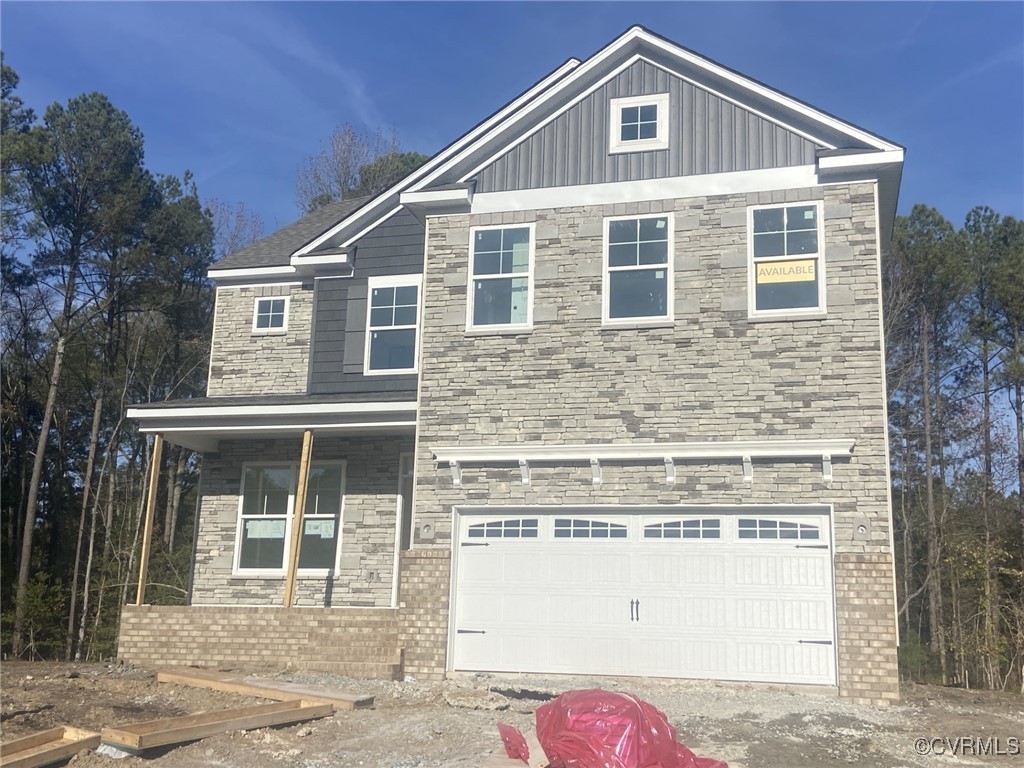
[(298, 515), (147, 533)]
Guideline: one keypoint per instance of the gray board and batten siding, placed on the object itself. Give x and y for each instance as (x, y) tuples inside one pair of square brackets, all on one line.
[(710, 135), (395, 247)]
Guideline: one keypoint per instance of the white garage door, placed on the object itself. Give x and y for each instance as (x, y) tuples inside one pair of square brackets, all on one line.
[(728, 596)]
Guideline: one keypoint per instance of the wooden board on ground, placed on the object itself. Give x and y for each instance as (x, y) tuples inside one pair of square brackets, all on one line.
[(263, 688), (158, 733), (537, 757), (46, 747)]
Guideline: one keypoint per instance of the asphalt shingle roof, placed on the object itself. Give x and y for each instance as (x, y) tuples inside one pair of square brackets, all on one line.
[(276, 249)]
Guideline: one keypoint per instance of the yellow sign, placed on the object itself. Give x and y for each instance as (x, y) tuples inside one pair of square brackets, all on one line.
[(786, 271)]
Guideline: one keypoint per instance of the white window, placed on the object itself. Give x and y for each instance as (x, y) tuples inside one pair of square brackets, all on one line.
[(265, 518), (501, 277), (786, 265), (566, 528), (505, 529), (638, 123), (270, 315), (709, 528), (638, 269), (761, 528), (392, 320)]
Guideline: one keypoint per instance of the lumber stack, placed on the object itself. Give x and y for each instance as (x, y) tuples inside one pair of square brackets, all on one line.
[(262, 688), (47, 747)]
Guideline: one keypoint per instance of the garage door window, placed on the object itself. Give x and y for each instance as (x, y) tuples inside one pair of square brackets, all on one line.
[(685, 529), (588, 529), (762, 528), (505, 529)]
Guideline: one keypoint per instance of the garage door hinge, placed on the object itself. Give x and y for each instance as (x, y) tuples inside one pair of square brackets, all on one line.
[(812, 642), (471, 632), (811, 546), (475, 544)]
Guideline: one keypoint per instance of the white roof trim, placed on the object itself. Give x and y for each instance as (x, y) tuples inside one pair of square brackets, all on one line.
[(222, 430), (297, 409), (221, 274), (454, 149), (725, 449), (329, 259), (426, 196), (860, 160)]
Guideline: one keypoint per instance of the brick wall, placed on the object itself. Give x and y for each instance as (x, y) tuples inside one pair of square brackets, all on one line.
[(358, 642), (247, 363), (364, 577)]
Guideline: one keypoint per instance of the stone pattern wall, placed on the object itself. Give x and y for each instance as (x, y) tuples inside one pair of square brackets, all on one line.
[(712, 374), (368, 523), (247, 363)]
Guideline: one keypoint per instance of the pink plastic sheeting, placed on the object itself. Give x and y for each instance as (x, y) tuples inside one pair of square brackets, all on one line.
[(601, 729)]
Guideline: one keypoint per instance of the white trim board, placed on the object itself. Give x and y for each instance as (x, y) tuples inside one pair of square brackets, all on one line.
[(270, 410), (222, 274), (733, 182)]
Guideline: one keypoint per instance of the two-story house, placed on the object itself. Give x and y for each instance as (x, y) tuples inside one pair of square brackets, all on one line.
[(599, 389)]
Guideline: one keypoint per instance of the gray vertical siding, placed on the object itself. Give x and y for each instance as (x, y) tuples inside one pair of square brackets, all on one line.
[(339, 313), (709, 135)]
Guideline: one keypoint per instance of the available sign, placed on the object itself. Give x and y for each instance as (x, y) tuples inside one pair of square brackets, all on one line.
[(786, 271)]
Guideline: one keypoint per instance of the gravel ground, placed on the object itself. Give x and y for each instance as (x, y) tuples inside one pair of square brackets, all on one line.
[(452, 723)]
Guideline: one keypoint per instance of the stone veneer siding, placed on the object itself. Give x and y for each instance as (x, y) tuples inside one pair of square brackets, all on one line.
[(713, 374), (247, 363), (367, 531), (361, 642)]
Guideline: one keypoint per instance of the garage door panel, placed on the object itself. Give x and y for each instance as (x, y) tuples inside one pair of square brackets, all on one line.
[(678, 598)]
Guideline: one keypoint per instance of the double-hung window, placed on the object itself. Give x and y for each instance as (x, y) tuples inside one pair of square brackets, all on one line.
[(270, 315), (266, 517), (786, 260), (638, 269), (392, 321), (501, 277), (638, 123)]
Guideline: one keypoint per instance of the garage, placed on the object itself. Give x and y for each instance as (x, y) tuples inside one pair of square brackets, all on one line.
[(728, 593)]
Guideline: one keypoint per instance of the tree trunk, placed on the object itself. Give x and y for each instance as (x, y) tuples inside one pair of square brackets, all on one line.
[(935, 639), (175, 489), (25, 562)]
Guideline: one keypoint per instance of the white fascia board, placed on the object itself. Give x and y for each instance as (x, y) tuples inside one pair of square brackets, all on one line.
[(768, 93), (222, 430), (428, 196), (269, 411), (733, 182), (455, 149), (247, 272), (733, 449), (860, 160), (327, 259)]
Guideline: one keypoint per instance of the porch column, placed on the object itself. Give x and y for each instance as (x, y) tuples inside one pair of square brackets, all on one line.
[(298, 515), (147, 532)]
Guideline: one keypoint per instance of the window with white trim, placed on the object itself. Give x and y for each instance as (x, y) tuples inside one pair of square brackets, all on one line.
[(501, 277), (392, 322), (505, 529), (786, 259), (762, 528), (566, 528), (266, 516), (638, 123), (270, 315), (709, 528), (638, 268)]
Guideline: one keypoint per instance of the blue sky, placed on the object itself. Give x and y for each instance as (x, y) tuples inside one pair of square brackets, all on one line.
[(240, 93)]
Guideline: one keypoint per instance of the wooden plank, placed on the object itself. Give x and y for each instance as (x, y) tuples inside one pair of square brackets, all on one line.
[(298, 512), (537, 757), (147, 535), (46, 747), (259, 687), (158, 733)]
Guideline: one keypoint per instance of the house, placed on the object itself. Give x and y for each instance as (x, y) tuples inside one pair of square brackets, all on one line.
[(598, 389)]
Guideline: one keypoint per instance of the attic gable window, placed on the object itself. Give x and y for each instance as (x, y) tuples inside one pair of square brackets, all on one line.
[(638, 123), (270, 315)]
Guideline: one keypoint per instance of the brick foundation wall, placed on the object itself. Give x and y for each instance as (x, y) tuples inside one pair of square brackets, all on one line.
[(359, 642), (865, 618)]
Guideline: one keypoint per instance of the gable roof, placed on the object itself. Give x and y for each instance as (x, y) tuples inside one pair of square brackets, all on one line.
[(276, 249), (555, 94)]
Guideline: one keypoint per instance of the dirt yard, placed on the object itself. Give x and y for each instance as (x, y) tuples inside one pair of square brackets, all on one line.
[(452, 723)]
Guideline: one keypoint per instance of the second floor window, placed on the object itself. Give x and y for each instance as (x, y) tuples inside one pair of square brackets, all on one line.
[(270, 315), (501, 274), (392, 321), (637, 284), (786, 263)]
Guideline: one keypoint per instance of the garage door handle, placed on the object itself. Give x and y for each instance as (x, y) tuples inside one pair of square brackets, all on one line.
[(638, 610), (811, 546), (474, 632), (815, 642), (474, 544), (631, 605)]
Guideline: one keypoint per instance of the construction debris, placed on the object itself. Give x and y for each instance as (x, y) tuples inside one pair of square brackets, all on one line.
[(138, 737), (264, 688), (46, 747)]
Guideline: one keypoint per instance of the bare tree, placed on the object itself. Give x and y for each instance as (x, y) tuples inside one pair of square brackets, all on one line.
[(234, 226)]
